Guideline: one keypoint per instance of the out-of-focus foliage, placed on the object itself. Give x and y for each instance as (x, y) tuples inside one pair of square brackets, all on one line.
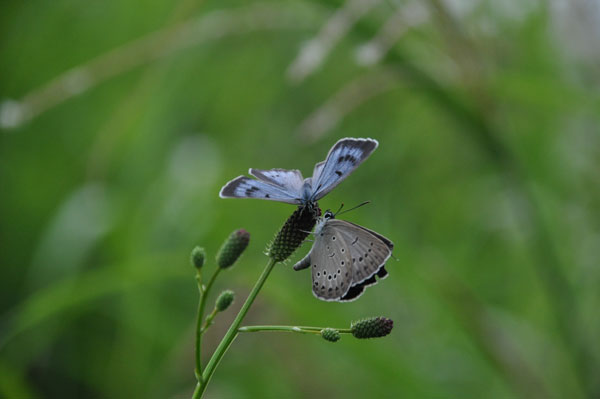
[(121, 120)]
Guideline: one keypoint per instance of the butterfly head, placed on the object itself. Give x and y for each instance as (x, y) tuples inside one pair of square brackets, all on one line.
[(328, 215)]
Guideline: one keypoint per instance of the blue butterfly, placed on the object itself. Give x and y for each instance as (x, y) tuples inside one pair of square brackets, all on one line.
[(290, 187)]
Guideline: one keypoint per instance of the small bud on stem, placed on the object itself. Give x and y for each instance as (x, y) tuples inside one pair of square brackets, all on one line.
[(224, 300), (197, 257), (232, 248), (330, 334)]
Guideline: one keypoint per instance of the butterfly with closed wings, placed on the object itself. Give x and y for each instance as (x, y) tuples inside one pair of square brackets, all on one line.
[(290, 187), (345, 259)]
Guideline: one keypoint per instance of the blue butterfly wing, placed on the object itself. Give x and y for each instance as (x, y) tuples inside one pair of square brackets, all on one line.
[(245, 187), (345, 156), (288, 180)]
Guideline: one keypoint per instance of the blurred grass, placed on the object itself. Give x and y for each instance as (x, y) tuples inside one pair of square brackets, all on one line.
[(485, 180)]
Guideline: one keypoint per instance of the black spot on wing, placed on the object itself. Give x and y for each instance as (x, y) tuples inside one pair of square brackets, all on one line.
[(357, 290), (353, 293), (370, 281), (367, 146), (251, 190), (347, 158), (382, 273)]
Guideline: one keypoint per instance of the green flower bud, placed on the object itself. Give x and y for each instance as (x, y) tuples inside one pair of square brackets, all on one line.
[(224, 300), (197, 257), (330, 334), (293, 232), (372, 327), (232, 248)]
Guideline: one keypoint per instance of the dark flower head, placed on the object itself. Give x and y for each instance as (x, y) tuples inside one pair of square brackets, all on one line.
[(372, 327), (293, 232)]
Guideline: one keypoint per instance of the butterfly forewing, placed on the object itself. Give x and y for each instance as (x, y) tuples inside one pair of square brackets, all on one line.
[(345, 156), (330, 265), (244, 187), (368, 250), (317, 170)]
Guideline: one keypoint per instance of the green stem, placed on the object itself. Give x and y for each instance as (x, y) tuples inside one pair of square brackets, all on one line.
[(209, 320), (201, 305), (232, 332), (296, 329)]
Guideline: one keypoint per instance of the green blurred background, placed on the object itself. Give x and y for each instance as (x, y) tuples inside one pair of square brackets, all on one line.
[(120, 121)]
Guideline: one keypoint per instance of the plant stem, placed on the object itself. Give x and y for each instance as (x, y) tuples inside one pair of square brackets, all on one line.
[(296, 329), (209, 320), (231, 333), (201, 305)]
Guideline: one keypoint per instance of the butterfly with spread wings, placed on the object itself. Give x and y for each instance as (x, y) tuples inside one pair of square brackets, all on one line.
[(290, 187)]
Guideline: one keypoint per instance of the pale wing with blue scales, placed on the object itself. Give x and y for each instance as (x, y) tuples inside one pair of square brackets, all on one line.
[(343, 158), (290, 187)]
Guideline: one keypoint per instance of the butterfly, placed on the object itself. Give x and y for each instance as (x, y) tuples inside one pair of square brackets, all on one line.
[(345, 259), (290, 187)]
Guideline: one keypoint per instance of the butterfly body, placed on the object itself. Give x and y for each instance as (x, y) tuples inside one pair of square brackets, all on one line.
[(289, 186), (345, 259)]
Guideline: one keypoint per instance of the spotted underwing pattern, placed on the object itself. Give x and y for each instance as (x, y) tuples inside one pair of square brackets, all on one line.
[(345, 259), (290, 187)]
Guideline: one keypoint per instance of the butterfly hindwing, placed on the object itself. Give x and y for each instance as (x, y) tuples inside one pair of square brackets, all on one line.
[(345, 156), (357, 290), (369, 251), (330, 265), (244, 187)]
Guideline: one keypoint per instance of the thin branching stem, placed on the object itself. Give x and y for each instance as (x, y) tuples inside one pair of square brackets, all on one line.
[(209, 320), (232, 332), (203, 291), (296, 329)]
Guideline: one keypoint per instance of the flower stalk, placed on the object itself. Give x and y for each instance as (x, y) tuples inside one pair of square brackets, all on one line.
[(372, 327), (203, 291), (293, 329), (231, 333), (224, 300)]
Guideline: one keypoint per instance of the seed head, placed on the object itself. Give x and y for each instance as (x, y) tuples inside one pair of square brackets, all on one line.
[(330, 334), (293, 232), (224, 300), (197, 257), (232, 248), (372, 327)]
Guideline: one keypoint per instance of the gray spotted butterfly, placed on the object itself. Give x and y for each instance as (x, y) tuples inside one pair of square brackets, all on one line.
[(345, 259)]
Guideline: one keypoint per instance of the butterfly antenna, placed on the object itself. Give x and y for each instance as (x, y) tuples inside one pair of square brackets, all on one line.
[(338, 211), (351, 209)]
